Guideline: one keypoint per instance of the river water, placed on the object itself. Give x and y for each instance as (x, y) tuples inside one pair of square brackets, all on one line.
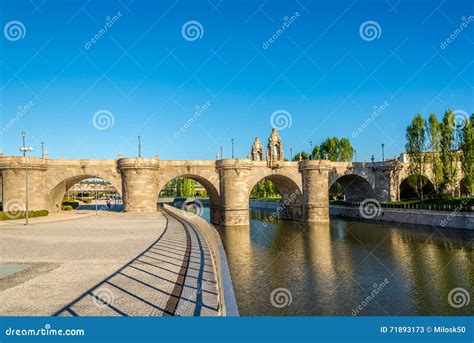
[(348, 268)]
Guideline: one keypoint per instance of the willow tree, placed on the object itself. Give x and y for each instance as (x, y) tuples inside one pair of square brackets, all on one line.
[(467, 148), (449, 152), (433, 133), (415, 147)]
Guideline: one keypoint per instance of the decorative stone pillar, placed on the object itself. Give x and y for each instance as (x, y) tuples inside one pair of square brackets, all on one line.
[(139, 183), (234, 176), (14, 188), (315, 190)]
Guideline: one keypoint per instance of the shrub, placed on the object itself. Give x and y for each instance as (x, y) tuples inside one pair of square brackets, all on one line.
[(73, 204), (87, 201), (67, 208), (22, 214)]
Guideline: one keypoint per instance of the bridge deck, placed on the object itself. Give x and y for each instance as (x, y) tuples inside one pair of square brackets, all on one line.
[(173, 277)]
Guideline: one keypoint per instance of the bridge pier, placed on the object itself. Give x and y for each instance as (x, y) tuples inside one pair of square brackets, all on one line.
[(139, 183), (315, 190), (14, 189), (234, 175)]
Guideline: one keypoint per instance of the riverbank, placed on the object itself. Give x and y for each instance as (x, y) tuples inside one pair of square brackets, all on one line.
[(443, 219)]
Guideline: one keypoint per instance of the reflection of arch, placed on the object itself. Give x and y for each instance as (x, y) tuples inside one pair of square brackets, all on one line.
[(56, 195), (211, 189), (355, 187), (292, 196), (407, 191)]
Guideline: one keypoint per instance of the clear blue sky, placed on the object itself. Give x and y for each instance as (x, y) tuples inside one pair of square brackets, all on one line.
[(151, 79)]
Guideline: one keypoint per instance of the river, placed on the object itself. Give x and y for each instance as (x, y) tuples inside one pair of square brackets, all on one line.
[(346, 268)]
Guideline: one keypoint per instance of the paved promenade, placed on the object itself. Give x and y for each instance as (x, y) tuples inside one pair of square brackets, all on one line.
[(115, 264)]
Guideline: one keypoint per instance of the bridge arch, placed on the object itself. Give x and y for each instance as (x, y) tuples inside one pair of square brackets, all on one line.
[(407, 189), (291, 194), (354, 187), (58, 189), (209, 184)]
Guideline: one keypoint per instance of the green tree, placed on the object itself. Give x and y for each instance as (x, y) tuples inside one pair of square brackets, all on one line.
[(449, 151), (335, 149), (301, 156), (467, 157), (433, 133), (415, 147), (329, 149)]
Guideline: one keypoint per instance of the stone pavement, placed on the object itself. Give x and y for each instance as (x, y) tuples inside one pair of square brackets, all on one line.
[(109, 266)]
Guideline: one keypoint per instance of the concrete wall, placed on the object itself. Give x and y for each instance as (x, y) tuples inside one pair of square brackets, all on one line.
[(228, 304), (410, 216)]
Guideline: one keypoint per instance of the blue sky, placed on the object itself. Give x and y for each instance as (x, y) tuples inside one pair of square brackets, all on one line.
[(319, 72)]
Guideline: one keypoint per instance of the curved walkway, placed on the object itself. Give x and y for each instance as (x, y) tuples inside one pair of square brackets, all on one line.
[(173, 277)]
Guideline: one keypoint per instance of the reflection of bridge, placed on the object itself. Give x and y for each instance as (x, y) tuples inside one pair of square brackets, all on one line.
[(304, 185)]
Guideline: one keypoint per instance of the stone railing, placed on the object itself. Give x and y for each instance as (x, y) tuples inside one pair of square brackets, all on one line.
[(227, 300)]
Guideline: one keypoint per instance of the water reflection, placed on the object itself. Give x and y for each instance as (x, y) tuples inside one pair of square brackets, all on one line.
[(334, 269)]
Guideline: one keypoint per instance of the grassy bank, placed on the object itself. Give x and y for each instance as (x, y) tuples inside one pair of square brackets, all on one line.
[(22, 214)]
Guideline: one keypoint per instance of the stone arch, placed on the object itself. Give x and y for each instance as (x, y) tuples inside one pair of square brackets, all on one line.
[(209, 185), (57, 190), (406, 191), (291, 192), (355, 187)]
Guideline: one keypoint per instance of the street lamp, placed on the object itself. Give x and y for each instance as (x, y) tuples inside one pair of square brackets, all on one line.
[(24, 150), (42, 149), (222, 157), (291, 154), (383, 152), (139, 146), (232, 140), (311, 152)]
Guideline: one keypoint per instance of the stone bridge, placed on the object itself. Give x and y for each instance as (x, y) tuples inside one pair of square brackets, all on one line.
[(304, 185)]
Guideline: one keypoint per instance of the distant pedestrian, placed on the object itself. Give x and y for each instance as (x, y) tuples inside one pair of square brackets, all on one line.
[(109, 203)]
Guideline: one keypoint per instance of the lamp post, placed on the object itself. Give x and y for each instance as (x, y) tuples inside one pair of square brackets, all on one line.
[(139, 146), (232, 140), (24, 150), (383, 152), (222, 157), (42, 149), (311, 151), (291, 154)]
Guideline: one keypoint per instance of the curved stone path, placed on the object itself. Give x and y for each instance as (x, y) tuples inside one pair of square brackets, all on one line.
[(173, 277)]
